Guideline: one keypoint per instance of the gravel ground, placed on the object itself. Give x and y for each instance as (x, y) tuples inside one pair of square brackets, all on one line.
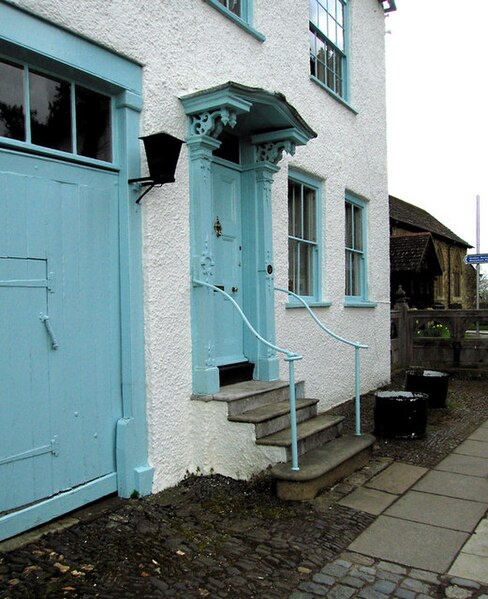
[(467, 407), (216, 537)]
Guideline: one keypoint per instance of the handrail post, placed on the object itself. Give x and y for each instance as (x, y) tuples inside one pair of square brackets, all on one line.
[(290, 358), (293, 413), (358, 395)]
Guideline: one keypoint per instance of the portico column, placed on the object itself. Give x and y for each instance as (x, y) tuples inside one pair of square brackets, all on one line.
[(267, 362), (205, 372), (267, 156)]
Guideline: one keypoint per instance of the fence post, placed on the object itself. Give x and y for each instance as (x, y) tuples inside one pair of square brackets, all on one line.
[(403, 332)]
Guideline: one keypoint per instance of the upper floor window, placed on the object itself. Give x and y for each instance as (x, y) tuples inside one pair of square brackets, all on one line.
[(54, 113), (328, 44), (239, 11), (355, 249), (303, 237), (235, 6)]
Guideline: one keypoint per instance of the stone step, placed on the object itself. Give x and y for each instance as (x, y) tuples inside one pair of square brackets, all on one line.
[(248, 395), (322, 467), (310, 434), (274, 417)]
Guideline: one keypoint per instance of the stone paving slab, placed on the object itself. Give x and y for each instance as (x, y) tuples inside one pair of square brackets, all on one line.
[(472, 567), (474, 448), (481, 434), (410, 543), (451, 484), (397, 478), (447, 512), (367, 500), (464, 464), (477, 545)]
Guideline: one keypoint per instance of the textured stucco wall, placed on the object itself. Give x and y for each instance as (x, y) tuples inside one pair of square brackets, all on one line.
[(189, 46)]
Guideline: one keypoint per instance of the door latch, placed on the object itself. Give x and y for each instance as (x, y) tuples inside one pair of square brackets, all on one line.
[(45, 319)]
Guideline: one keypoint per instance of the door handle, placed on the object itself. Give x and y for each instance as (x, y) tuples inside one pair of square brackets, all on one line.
[(235, 289), (45, 319)]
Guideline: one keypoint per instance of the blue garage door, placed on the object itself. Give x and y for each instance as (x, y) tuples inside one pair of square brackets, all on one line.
[(60, 371)]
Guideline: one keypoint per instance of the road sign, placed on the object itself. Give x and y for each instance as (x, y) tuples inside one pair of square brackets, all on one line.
[(476, 259)]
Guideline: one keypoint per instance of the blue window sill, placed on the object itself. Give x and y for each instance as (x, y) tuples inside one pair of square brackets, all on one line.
[(312, 304), (333, 94), (358, 303), (237, 20)]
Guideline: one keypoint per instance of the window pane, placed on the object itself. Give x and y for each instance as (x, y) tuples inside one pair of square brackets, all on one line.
[(340, 38), (306, 269), (233, 5), (348, 225), (356, 274), (331, 30), (340, 13), (93, 125), (321, 60), (338, 80), (358, 228), (309, 214), (12, 116), (353, 273), (313, 12), (294, 209), (50, 112), (322, 19), (293, 265), (330, 67)]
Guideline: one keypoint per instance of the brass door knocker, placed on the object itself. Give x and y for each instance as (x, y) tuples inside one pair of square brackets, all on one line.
[(218, 228)]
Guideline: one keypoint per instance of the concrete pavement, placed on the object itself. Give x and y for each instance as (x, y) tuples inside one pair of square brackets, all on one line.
[(430, 537)]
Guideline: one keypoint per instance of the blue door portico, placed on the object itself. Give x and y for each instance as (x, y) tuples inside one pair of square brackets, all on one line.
[(72, 399), (263, 126)]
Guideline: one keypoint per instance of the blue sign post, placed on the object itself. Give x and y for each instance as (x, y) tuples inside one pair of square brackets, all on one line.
[(476, 259)]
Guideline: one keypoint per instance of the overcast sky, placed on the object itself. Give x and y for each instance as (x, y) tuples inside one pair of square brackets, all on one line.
[(437, 94)]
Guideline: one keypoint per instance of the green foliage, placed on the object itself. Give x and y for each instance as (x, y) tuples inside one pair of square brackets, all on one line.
[(434, 329)]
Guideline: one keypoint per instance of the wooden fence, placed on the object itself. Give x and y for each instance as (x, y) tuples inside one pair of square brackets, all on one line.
[(447, 339)]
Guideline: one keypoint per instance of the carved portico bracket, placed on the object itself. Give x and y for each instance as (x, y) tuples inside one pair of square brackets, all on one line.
[(212, 122), (270, 146), (273, 151)]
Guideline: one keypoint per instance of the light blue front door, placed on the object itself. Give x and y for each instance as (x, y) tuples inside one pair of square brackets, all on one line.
[(60, 372), (226, 204)]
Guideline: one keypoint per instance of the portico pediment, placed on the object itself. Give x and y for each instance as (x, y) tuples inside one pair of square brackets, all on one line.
[(265, 116)]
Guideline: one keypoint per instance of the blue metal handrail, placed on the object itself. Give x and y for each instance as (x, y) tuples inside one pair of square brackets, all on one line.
[(291, 358), (357, 346)]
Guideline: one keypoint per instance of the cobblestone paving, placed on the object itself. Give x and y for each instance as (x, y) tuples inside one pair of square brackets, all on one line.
[(218, 538), (209, 537), (353, 575)]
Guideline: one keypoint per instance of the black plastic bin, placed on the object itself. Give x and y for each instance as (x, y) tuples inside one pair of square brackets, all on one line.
[(432, 382), (400, 414)]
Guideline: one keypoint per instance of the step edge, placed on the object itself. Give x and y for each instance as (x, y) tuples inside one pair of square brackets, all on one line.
[(226, 397), (302, 403), (269, 440), (282, 471)]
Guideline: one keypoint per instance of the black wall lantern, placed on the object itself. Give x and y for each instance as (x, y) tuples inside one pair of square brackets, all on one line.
[(162, 152)]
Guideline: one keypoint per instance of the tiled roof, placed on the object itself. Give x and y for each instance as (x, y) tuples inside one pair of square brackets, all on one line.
[(414, 252), (403, 213)]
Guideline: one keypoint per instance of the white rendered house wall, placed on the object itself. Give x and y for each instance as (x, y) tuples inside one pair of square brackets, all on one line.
[(187, 47)]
